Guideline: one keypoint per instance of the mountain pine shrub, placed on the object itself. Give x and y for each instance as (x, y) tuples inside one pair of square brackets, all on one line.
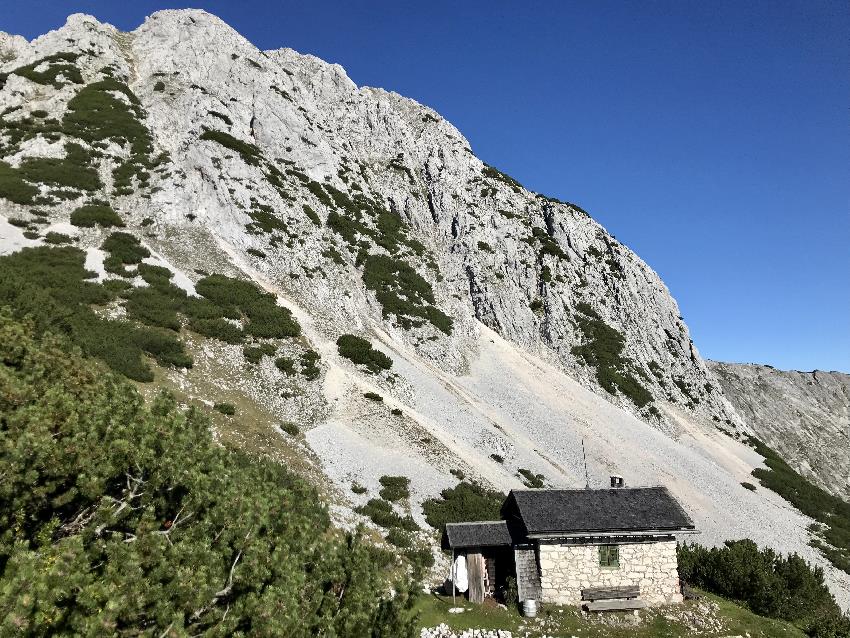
[(768, 583), (105, 495), (463, 502), (360, 351)]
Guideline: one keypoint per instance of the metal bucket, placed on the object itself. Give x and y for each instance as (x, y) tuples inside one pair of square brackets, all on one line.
[(529, 608)]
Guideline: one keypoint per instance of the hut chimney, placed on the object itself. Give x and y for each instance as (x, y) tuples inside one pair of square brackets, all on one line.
[(617, 482)]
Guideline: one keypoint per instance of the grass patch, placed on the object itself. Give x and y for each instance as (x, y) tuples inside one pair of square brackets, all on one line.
[(530, 479)]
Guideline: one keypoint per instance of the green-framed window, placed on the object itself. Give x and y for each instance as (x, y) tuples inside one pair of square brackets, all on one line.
[(609, 556)]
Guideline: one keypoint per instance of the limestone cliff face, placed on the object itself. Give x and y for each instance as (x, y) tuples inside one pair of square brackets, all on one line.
[(490, 250), (805, 416)]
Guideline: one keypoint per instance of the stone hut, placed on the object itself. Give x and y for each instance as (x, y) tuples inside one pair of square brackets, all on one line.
[(601, 548)]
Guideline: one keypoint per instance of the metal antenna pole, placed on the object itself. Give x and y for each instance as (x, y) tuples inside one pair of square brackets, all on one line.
[(584, 455)]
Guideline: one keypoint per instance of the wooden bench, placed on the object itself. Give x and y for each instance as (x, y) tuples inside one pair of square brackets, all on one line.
[(612, 598)]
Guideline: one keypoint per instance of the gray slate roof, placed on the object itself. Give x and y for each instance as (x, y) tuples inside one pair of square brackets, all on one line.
[(608, 510), (478, 534)]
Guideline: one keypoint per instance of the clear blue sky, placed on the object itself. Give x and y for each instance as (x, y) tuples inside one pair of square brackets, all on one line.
[(712, 138)]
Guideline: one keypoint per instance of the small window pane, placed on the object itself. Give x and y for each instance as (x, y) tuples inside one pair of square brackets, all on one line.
[(609, 556)]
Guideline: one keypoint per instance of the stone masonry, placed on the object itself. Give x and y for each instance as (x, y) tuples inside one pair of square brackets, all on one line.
[(567, 569)]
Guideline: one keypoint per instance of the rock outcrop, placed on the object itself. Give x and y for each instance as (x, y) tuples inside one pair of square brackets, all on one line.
[(804, 416)]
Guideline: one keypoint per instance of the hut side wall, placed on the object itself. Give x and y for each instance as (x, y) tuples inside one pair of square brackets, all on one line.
[(567, 569)]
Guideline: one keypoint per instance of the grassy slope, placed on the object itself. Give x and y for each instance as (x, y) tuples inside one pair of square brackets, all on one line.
[(567, 621)]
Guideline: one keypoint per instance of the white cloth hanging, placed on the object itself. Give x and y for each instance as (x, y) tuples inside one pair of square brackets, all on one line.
[(459, 575)]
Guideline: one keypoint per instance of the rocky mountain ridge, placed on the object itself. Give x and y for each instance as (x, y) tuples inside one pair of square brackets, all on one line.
[(805, 416), (519, 329)]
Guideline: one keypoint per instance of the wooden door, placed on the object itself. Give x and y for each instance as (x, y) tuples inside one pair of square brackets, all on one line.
[(475, 571)]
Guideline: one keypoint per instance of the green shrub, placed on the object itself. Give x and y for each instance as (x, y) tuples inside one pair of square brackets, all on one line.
[(485, 247), (498, 458), (536, 305), (252, 354), (159, 87), (58, 64), (259, 254), (603, 350), (290, 428), (832, 512), (372, 396), (309, 360), (49, 284), (218, 329), (357, 488), (311, 215), (768, 583), (396, 412), (13, 187), (95, 214), (57, 238), (285, 365), (73, 171), (461, 503), (123, 248), (225, 408), (403, 292), (530, 479), (399, 538), (79, 442), (361, 352), (748, 486), (395, 488), (382, 514), (266, 320), (249, 153)]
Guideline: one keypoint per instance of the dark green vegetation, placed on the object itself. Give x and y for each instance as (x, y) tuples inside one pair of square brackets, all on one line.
[(249, 153), (95, 215), (373, 396), (122, 518), (361, 352), (394, 488), (49, 286), (73, 171), (748, 486), (290, 428), (603, 349), (493, 173), (363, 222), (382, 514), (58, 66), (227, 409), (94, 117), (463, 502), (57, 238), (530, 479), (767, 583), (13, 187), (403, 292), (122, 249), (832, 533)]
